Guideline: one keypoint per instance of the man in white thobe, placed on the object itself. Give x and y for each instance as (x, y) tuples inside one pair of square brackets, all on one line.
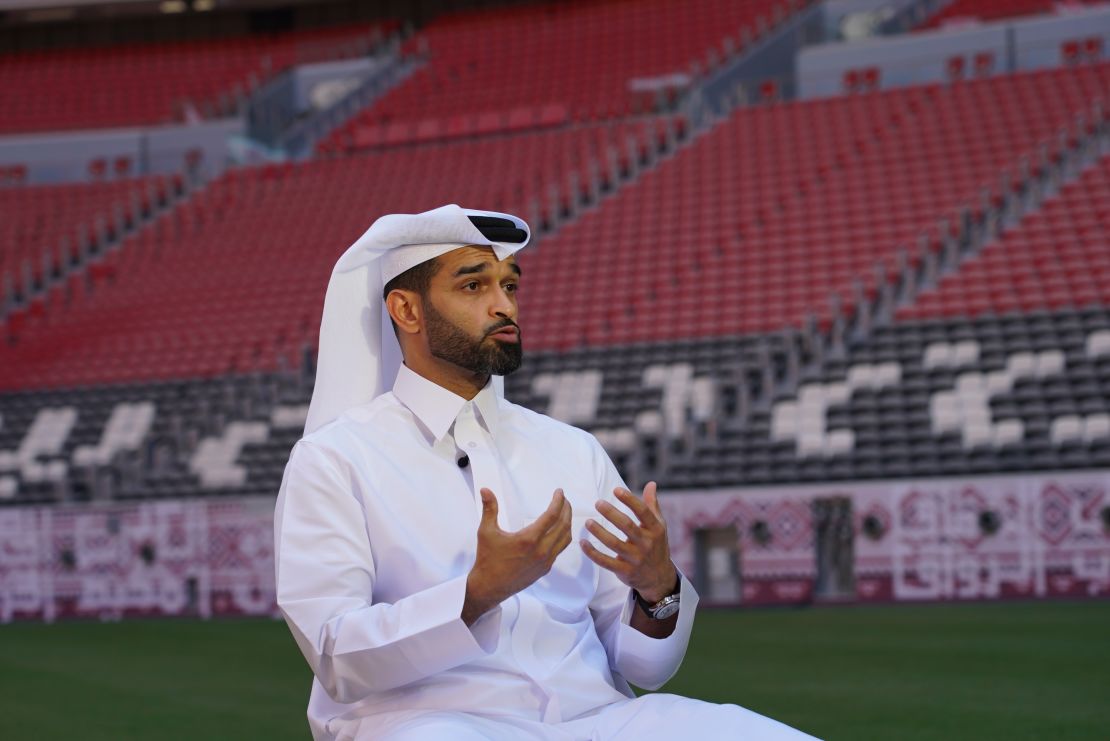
[(441, 560)]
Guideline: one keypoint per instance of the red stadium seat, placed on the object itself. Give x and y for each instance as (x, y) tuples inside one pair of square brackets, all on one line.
[(984, 63), (1054, 258), (1070, 51), (258, 245), (954, 68), (575, 69), (145, 84)]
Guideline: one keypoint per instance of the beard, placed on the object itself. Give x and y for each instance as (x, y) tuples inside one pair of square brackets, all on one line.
[(483, 356)]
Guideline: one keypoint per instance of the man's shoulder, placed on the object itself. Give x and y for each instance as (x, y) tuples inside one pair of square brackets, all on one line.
[(363, 422)]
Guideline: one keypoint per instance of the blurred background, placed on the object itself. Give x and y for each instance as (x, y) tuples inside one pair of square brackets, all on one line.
[(835, 273)]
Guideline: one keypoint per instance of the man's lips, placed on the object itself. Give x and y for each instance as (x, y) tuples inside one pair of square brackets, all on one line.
[(507, 334)]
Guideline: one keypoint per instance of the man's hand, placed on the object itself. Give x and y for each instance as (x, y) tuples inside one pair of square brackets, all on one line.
[(643, 557), (509, 562)]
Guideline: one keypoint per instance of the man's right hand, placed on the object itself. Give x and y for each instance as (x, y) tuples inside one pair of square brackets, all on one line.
[(508, 562)]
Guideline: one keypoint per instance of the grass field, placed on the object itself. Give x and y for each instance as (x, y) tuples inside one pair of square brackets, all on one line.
[(973, 671)]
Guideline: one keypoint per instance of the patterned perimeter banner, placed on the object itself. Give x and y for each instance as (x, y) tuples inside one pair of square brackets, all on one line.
[(975, 538), (200, 557), (954, 539)]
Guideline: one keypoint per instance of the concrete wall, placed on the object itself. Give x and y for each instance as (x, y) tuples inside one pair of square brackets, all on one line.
[(1037, 41), (846, 17), (311, 80), (771, 58), (923, 57), (68, 156)]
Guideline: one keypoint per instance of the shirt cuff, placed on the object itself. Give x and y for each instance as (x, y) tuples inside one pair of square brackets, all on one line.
[(439, 639), (649, 662)]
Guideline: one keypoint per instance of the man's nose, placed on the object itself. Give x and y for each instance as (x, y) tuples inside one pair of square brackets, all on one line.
[(503, 304)]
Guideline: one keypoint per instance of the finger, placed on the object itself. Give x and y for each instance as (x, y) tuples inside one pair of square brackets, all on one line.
[(620, 519), (651, 499), (489, 509), (634, 503), (607, 538), (606, 562), (555, 506), (559, 531)]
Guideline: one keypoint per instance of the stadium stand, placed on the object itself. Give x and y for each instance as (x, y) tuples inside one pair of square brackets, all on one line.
[(145, 84), (591, 61), (888, 410), (782, 206), (37, 221), (691, 301), (1057, 257), (995, 10), (927, 397), (258, 243), (164, 439)]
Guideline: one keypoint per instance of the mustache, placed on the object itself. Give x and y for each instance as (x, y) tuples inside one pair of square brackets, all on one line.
[(502, 325)]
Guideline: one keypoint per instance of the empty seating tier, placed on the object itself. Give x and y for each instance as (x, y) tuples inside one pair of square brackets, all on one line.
[(144, 84), (35, 220), (1023, 392), (758, 223), (930, 397), (234, 277), (583, 61), (1056, 257)]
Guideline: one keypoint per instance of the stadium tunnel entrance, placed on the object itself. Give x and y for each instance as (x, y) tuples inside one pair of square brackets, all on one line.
[(835, 549), (717, 554)]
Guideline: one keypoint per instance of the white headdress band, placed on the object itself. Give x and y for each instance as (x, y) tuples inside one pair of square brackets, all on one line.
[(359, 355)]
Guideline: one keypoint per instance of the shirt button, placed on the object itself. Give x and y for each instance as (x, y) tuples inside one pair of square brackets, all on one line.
[(472, 445)]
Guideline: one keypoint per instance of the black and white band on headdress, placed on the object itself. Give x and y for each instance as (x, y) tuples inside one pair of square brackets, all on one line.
[(359, 355)]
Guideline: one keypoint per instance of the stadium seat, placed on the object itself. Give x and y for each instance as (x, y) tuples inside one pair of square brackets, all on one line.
[(52, 222), (243, 309), (147, 84), (467, 73), (1055, 257)]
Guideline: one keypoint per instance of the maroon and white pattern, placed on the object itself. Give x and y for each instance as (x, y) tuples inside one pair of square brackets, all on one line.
[(1048, 537), (192, 557)]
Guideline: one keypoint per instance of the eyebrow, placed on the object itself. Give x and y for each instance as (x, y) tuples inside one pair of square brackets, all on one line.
[(481, 267)]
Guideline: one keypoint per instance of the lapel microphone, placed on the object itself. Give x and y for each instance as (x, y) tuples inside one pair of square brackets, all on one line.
[(464, 461)]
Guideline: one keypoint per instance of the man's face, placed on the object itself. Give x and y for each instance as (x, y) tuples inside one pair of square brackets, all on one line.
[(471, 310)]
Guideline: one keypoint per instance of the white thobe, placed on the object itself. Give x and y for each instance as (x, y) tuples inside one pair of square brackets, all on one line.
[(375, 533)]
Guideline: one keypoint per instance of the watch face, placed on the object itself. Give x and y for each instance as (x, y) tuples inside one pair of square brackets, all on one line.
[(666, 611)]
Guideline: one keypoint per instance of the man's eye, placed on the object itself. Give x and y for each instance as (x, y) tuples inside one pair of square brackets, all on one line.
[(511, 287), (471, 286)]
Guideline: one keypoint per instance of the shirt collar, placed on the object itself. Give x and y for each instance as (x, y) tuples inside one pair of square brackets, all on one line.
[(436, 407)]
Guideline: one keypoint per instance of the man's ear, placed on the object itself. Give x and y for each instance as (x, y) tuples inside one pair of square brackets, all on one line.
[(406, 310)]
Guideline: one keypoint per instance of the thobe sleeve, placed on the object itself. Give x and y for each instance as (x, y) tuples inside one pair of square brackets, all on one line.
[(641, 660), (325, 581)]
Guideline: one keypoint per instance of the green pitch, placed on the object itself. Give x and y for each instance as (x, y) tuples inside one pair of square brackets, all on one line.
[(982, 671)]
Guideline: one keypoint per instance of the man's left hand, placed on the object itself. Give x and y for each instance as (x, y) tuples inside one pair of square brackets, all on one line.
[(643, 557)]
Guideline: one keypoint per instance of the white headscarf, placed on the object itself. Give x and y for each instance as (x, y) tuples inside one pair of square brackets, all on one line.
[(359, 354)]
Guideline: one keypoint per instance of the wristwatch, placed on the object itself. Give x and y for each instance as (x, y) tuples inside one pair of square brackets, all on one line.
[(665, 607)]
